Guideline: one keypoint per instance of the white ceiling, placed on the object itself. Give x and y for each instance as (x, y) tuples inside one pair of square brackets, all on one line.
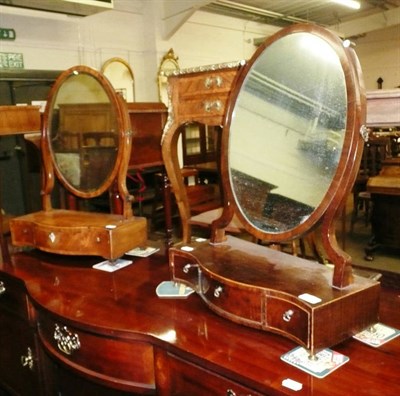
[(372, 15)]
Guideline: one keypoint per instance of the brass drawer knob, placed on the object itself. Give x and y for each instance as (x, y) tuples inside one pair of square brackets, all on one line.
[(287, 316), (27, 360), (211, 82), (188, 267), (213, 105), (2, 288), (218, 291), (67, 342)]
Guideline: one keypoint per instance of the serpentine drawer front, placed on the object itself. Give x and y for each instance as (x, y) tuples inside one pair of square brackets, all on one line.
[(73, 232), (13, 297), (19, 362), (116, 362), (253, 299), (182, 378)]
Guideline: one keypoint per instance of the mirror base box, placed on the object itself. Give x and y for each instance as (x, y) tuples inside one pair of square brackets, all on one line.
[(79, 233)]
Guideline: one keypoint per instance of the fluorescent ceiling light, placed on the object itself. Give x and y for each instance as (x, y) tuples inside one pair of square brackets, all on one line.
[(349, 3)]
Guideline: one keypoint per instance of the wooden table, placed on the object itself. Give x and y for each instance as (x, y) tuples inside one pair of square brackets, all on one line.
[(176, 346)]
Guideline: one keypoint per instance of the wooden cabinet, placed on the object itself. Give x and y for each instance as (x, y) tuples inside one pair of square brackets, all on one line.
[(147, 121), (19, 362), (91, 332), (122, 364), (178, 377)]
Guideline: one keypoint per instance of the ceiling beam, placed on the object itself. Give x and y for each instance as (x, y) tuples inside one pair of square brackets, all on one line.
[(177, 12), (369, 23)]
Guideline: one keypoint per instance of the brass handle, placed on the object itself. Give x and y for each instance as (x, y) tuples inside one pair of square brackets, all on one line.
[(187, 267), (210, 106), (67, 342), (287, 316), (27, 360), (218, 291), (217, 81), (2, 288)]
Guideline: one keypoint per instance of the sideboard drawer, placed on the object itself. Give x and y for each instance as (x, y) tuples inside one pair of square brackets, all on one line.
[(13, 296), (289, 318), (182, 378), (124, 364)]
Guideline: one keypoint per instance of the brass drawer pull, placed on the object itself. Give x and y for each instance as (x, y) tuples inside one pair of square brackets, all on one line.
[(67, 342), (2, 288), (27, 360), (211, 82), (218, 291), (188, 267), (210, 106), (287, 316)]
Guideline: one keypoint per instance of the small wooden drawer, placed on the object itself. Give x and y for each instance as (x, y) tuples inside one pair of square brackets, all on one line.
[(184, 268), (128, 364), (206, 83), (233, 302), (204, 106), (13, 296), (288, 318)]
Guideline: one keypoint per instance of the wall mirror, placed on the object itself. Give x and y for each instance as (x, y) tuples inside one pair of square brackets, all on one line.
[(85, 145), (120, 74), (291, 146), (169, 63)]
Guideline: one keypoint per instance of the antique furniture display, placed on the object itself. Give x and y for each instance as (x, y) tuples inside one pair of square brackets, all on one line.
[(198, 95), (291, 145), (120, 74), (86, 144), (132, 342)]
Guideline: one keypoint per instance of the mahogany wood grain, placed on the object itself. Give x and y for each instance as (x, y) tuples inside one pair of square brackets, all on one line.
[(19, 119), (123, 306), (147, 121)]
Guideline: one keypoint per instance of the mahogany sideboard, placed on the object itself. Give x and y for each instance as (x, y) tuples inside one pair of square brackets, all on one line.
[(69, 329)]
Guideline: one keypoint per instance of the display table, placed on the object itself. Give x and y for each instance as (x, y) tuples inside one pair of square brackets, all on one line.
[(70, 329)]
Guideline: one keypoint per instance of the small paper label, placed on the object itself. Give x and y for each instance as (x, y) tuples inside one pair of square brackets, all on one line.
[(377, 335), (310, 298), (320, 365), (291, 384)]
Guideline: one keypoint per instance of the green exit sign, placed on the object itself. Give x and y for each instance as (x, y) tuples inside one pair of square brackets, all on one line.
[(7, 34)]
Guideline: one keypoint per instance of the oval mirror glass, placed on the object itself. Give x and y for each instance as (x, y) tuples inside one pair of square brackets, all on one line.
[(83, 133), (287, 132)]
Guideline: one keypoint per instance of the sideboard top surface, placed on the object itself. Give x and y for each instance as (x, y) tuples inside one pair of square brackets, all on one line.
[(124, 305)]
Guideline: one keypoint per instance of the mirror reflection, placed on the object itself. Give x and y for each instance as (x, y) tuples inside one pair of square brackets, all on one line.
[(287, 132), (83, 133)]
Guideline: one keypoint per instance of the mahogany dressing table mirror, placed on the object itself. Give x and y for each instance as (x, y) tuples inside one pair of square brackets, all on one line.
[(291, 146), (85, 144)]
